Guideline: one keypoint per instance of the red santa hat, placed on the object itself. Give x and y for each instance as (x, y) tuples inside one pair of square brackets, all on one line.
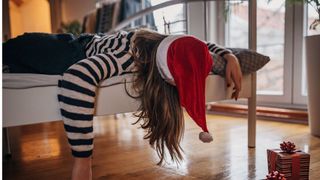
[(185, 62)]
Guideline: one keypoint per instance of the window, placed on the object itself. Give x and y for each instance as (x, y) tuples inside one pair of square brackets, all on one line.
[(270, 40), (282, 80), (171, 19), (311, 16), (167, 20), (237, 24)]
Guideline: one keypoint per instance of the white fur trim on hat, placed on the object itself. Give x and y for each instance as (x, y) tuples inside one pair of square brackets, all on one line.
[(161, 57), (205, 137)]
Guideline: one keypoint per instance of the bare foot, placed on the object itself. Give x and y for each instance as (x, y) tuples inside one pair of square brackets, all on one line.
[(82, 169)]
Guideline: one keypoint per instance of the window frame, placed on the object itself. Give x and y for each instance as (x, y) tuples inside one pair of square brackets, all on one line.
[(293, 48), (300, 19)]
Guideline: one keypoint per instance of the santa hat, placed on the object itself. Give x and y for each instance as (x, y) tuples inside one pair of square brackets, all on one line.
[(185, 62)]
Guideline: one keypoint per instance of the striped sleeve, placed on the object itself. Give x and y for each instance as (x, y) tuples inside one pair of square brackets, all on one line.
[(115, 43), (216, 49)]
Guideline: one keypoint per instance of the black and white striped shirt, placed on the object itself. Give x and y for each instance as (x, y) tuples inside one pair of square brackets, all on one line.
[(117, 44)]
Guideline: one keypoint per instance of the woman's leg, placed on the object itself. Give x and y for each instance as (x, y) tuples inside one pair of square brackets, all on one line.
[(82, 169), (77, 98)]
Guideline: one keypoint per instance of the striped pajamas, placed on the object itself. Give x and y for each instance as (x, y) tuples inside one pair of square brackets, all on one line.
[(107, 56), (216, 49)]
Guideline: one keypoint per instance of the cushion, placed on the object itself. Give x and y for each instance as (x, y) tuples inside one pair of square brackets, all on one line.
[(250, 61)]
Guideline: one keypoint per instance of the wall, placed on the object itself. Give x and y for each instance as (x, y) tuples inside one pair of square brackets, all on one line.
[(76, 10), (6, 32), (31, 16), (15, 20)]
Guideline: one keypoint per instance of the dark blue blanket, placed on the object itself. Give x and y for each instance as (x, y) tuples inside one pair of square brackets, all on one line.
[(44, 53)]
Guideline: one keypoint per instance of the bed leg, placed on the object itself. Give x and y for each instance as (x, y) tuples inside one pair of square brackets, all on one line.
[(252, 113), (6, 140)]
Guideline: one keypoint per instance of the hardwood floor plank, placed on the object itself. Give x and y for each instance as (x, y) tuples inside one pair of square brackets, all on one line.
[(41, 151)]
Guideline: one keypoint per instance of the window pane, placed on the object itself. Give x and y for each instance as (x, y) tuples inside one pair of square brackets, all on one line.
[(170, 20), (270, 39), (156, 2), (312, 16), (237, 24)]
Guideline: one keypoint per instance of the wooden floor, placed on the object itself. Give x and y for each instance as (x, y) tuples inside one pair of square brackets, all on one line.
[(41, 151)]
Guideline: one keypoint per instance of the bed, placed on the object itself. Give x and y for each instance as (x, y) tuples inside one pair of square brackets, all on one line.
[(32, 98)]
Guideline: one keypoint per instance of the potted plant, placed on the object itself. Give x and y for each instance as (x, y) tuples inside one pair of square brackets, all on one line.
[(73, 27), (315, 25), (312, 45), (312, 49)]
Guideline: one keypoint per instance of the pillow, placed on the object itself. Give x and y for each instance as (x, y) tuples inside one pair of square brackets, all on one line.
[(249, 61)]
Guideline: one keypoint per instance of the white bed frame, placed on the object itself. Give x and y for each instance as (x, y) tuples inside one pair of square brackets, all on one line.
[(40, 104)]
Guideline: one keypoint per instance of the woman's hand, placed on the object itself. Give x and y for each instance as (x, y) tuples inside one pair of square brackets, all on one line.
[(233, 74)]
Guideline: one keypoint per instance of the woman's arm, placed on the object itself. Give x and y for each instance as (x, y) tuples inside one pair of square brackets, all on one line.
[(233, 70), (233, 74), (219, 50)]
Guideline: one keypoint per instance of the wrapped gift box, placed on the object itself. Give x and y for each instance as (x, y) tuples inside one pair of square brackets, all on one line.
[(294, 165)]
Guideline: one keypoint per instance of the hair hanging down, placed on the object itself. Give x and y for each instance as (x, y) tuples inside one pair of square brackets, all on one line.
[(160, 110)]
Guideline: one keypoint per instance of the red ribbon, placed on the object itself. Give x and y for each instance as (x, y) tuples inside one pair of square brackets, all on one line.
[(295, 168), (273, 157)]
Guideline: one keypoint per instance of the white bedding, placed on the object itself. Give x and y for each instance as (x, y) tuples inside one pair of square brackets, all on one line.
[(25, 80)]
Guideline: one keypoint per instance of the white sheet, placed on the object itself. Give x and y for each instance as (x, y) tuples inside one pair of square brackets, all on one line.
[(25, 80)]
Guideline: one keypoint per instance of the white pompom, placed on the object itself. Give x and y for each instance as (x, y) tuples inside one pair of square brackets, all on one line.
[(205, 137)]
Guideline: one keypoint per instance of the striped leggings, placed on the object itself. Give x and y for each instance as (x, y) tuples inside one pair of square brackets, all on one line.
[(77, 91)]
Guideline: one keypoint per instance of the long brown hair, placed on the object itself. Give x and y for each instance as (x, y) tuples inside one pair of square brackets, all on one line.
[(160, 111)]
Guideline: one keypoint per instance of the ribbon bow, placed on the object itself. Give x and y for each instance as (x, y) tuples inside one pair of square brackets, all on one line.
[(275, 175), (288, 147)]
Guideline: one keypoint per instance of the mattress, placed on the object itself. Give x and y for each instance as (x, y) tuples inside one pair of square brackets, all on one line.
[(25, 80)]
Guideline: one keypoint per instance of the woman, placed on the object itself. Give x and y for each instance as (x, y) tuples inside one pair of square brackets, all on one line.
[(161, 64)]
